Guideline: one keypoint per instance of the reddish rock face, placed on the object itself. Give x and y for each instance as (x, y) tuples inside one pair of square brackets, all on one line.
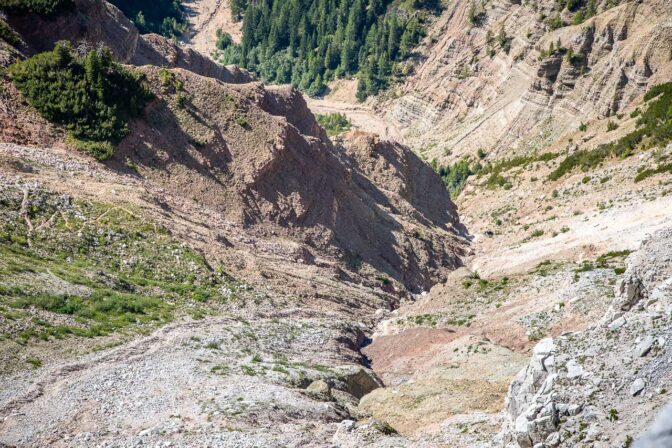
[(265, 163)]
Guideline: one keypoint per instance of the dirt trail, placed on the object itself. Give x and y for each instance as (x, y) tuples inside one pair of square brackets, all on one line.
[(361, 116), (205, 18)]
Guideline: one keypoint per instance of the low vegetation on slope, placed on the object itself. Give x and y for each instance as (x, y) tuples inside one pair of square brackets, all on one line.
[(654, 128), (92, 96), (88, 269), (454, 176), (334, 123), (45, 7), (309, 42), (164, 17)]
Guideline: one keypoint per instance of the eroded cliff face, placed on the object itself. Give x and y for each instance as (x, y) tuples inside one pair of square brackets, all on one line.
[(259, 158), (471, 93)]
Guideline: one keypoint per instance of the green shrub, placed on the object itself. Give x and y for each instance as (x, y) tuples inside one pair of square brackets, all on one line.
[(611, 126), (164, 17), (578, 18), (496, 180), (384, 428), (224, 40), (454, 176), (665, 168), (35, 362), (613, 415), (92, 96), (8, 35), (44, 7), (555, 22), (181, 100), (98, 150), (334, 123)]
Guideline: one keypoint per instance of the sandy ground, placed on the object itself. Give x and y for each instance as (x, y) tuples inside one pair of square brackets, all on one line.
[(612, 230)]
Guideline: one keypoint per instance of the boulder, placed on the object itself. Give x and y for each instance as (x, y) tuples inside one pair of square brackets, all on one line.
[(637, 386), (320, 390)]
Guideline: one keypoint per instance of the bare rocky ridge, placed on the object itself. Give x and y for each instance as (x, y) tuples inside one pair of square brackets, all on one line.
[(258, 158)]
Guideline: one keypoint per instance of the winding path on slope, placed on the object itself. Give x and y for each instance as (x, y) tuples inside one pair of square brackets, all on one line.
[(361, 116)]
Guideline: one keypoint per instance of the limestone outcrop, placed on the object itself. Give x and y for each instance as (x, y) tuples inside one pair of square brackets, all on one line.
[(583, 387)]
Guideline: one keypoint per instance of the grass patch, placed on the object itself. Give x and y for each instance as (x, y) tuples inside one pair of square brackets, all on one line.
[(35, 362), (103, 266), (247, 370), (660, 169)]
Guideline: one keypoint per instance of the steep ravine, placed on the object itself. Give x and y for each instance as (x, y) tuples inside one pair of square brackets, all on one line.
[(232, 277)]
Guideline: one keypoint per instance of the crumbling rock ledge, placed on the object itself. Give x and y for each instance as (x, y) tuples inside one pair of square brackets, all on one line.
[(598, 387)]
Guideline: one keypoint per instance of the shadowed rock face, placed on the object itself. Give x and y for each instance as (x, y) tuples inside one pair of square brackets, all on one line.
[(92, 23), (259, 158)]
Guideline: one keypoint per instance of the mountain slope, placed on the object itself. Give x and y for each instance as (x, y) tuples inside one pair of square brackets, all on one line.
[(214, 280), (473, 93)]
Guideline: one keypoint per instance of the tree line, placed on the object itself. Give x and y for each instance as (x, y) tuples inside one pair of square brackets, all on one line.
[(310, 42)]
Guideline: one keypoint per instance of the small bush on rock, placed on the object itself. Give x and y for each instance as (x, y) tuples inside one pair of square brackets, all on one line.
[(334, 123)]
